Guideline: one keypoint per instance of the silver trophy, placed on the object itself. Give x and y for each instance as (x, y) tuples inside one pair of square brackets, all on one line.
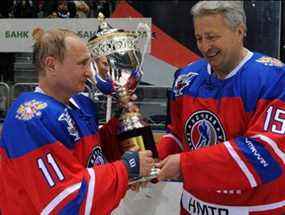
[(124, 53)]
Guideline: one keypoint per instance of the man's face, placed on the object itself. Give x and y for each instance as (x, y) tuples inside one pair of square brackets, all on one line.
[(62, 6), (103, 66), (72, 73), (220, 45)]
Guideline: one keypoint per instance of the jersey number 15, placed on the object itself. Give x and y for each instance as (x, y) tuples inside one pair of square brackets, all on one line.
[(275, 120)]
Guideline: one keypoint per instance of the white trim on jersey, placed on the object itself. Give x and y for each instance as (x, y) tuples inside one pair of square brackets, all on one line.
[(191, 203), (177, 141), (267, 207), (241, 164), (90, 193), (237, 68), (60, 197), (273, 145), (72, 101)]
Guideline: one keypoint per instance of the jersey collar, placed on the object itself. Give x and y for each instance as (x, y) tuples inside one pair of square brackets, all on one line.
[(237, 68), (72, 102)]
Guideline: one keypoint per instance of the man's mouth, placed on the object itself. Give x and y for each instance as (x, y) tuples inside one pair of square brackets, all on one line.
[(212, 53)]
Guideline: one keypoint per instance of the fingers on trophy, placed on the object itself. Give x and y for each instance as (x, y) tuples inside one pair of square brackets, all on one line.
[(124, 53)]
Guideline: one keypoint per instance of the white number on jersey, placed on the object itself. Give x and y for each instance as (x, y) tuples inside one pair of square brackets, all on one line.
[(275, 120), (44, 169)]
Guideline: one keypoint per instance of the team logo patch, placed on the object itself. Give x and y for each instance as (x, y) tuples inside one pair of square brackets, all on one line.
[(71, 127), (30, 109), (96, 157), (270, 61), (183, 81), (203, 128)]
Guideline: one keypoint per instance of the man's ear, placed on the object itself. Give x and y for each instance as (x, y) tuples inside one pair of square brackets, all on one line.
[(50, 64), (241, 31)]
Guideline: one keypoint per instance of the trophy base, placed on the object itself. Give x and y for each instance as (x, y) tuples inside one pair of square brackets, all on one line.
[(141, 137), (153, 174)]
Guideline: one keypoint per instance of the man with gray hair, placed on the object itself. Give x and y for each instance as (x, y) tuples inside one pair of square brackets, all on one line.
[(227, 110)]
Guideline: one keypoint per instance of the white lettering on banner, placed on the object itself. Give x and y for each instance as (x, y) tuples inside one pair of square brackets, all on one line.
[(15, 34), (197, 207), (86, 34)]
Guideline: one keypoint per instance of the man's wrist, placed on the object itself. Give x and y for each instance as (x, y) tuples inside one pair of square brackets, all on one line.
[(132, 162)]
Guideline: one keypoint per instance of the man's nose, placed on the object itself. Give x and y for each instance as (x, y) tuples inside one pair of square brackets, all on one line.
[(205, 45), (88, 71)]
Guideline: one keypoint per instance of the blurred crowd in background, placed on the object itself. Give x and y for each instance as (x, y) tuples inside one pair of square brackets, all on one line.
[(55, 8), (47, 9)]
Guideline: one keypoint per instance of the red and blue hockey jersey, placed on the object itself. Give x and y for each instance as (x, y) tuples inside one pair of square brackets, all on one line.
[(231, 135), (52, 160)]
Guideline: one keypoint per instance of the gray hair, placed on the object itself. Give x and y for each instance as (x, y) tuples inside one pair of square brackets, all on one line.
[(233, 11)]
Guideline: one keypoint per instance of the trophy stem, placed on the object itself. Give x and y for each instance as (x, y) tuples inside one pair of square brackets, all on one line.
[(153, 174), (123, 96), (141, 136), (109, 108)]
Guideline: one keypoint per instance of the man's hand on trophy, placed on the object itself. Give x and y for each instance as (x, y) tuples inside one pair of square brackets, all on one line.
[(146, 162), (136, 186), (138, 163), (128, 145), (169, 168)]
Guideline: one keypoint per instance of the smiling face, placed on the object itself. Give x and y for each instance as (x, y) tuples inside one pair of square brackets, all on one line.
[(220, 45)]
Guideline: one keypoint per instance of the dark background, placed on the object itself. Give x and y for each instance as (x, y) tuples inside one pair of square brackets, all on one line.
[(263, 23)]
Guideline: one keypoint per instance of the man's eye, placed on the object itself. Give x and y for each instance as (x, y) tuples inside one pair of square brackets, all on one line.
[(84, 63), (212, 37), (198, 39)]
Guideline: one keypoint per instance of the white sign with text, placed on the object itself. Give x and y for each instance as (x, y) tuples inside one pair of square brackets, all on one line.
[(15, 34)]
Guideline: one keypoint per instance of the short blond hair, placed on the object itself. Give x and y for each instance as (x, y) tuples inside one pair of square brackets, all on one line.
[(49, 43)]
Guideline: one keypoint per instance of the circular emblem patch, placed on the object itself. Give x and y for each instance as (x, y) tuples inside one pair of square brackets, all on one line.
[(96, 157), (203, 128)]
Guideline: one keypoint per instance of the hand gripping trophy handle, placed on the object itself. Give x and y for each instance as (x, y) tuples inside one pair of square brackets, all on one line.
[(124, 52)]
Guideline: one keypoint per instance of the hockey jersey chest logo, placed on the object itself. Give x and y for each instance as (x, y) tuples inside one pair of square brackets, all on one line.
[(71, 127), (203, 128), (182, 82), (96, 158)]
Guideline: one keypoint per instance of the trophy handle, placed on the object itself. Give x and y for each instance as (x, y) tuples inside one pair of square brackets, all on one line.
[(146, 30)]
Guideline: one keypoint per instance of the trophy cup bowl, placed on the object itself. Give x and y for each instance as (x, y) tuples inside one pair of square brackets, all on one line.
[(124, 52)]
